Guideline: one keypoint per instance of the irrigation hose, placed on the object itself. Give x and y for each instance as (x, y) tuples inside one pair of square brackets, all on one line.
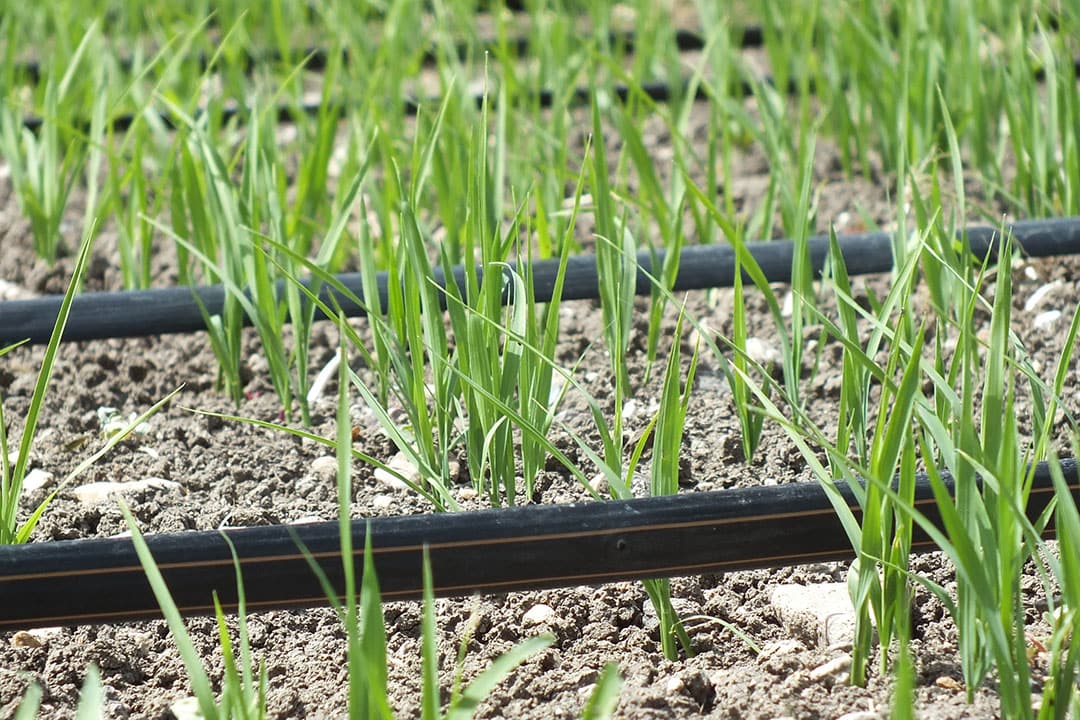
[(657, 91), (316, 59), (489, 551), (176, 310)]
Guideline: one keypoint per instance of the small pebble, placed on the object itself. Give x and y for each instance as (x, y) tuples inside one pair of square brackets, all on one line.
[(11, 291), (186, 709), (325, 467), (1046, 319), (468, 493), (37, 479), (599, 484), (835, 670), (100, 492), (538, 614), (37, 637), (860, 715), (779, 648), (820, 612), (381, 502), (257, 364), (24, 639), (404, 468), (1037, 297), (762, 352)]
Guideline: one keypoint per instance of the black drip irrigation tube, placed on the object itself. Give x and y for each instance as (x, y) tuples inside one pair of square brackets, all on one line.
[(656, 91), (488, 551), (317, 58), (659, 92), (140, 313)]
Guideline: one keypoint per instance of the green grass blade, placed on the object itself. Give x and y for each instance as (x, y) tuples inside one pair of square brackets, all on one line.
[(9, 531), (200, 682), (605, 696), (482, 685)]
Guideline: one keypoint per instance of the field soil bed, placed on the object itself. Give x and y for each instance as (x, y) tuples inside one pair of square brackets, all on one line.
[(206, 473)]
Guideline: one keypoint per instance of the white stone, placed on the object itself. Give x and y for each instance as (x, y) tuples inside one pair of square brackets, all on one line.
[(1037, 296), (257, 364), (325, 467), (762, 352), (860, 715), (538, 615), (1046, 319), (186, 709), (403, 466), (37, 479), (101, 492), (629, 409), (821, 613), (381, 502), (780, 648), (599, 484), (11, 291), (835, 670)]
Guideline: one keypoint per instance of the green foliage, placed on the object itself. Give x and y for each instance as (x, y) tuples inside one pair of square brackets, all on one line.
[(243, 697), (13, 472)]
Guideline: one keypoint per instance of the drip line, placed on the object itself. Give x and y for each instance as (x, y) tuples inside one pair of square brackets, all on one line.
[(487, 551), (657, 91), (317, 58), (139, 313)]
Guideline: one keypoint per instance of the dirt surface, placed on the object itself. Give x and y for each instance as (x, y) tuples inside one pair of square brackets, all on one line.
[(233, 474)]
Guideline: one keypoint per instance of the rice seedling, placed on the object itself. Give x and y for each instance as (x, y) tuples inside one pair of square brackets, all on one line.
[(667, 430), (664, 211), (227, 230), (362, 615), (987, 534), (45, 166), (502, 355), (243, 688), (1042, 122), (747, 409), (90, 699), (12, 475), (616, 269)]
